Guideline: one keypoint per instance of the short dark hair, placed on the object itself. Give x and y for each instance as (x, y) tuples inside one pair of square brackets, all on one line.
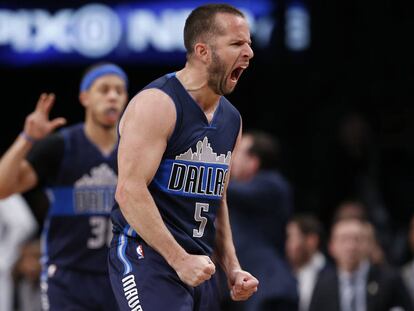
[(307, 224), (201, 22), (360, 212), (266, 147)]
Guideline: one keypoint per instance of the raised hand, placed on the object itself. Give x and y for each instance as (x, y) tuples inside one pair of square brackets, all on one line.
[(37, 124), (242, 285), (195, 269)]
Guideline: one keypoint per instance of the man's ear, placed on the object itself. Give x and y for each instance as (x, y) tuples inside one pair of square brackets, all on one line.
[(202, 51), (84, 98)]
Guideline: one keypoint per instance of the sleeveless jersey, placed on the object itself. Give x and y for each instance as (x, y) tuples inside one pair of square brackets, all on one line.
[(189, 183), (78, 228)]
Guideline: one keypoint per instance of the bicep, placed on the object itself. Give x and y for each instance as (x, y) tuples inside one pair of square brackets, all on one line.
[(145, 128)]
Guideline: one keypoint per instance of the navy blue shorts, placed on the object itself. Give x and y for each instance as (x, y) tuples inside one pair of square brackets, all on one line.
[(143, 281), (68, 290)]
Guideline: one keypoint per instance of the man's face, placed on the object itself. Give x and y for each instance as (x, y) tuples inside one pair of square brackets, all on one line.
[(231, 53), (105, 100), (346, 245), (296, 248)]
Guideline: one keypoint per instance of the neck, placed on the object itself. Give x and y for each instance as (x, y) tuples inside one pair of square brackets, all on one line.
[(104, 138), (195, 81)]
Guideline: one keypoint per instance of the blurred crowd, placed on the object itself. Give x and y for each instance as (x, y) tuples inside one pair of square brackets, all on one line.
[(348, 254)]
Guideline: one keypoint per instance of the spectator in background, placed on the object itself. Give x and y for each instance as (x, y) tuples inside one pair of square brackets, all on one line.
[(304, 234), (372, 246), (356, 284), (260, 204), (408, 268), (17, 225)]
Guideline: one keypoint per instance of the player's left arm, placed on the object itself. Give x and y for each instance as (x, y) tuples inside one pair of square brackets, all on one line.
[(241, 283)]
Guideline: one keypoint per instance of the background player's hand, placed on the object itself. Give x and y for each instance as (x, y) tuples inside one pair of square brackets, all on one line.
[(195, 269), (242, 285), (37, 124)]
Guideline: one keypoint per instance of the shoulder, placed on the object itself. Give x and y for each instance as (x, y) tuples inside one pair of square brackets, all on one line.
[(46, 156), (69, 131), (326, 290), (151, 100), (328, 276), (161, 82), (385, 272), (150, 109), (53, 141)]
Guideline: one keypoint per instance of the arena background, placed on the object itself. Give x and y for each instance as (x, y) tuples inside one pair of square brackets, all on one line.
[(341, 102)]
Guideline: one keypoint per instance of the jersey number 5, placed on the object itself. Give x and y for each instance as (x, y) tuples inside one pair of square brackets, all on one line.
[(199, 208)]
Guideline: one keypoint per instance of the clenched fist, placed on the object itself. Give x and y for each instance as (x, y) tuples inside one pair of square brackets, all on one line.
[(194, 269)]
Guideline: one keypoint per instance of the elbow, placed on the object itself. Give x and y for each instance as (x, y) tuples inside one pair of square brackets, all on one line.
[(124, 194), (129, 194), (120, 195)]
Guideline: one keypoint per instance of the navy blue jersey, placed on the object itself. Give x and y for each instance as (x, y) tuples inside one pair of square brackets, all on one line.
[(189, 183), (81, 190)]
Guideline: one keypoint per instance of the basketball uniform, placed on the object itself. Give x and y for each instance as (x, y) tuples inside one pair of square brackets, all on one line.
[(80, 183), (187, 189)]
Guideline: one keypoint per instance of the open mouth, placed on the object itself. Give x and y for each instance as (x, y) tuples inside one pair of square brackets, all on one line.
[(236, 73), (112, 112)]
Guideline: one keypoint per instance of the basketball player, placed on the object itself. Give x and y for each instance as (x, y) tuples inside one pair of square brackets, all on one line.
[(78, 164), (177, 137)]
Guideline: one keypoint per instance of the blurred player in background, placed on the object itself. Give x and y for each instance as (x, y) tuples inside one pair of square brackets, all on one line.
[(78, 165)]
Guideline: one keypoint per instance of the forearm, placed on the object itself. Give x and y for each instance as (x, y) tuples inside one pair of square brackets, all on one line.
[(10, 166), (225, 251), (141, 212)]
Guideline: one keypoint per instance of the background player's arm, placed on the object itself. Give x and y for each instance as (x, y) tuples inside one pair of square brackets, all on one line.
[(241, 283), (145, 127), (16, 174)]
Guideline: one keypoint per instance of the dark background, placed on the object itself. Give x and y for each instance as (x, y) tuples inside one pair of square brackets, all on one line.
[(342, 109)]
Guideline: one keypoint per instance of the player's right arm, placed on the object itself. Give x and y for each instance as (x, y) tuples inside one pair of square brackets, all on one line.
[(16, 174), (145, 127)]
